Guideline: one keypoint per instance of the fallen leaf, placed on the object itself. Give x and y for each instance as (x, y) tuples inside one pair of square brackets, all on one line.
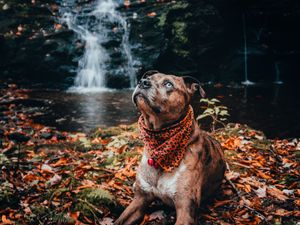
[(54, 180), (275, 192), (261, 192), (5, 220)]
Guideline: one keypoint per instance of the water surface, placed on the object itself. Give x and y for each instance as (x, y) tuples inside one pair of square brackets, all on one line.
[(273, 109)]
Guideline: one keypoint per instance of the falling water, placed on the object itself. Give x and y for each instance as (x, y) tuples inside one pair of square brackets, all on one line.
[(277, 74), (247, 81), (96, 26)]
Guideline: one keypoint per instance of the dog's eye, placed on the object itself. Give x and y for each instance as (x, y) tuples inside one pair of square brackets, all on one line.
[(168, 85)]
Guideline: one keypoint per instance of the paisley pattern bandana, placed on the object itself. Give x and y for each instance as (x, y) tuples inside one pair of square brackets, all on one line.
[(168, 145)]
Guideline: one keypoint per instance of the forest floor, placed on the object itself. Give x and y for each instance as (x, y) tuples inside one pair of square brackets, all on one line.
[(53, 177)]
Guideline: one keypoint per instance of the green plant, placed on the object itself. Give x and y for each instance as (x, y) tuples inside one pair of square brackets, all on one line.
[(214, 110), (92, 201)]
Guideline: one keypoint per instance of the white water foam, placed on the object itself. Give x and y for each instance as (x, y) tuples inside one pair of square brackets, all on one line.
[(92, 28)]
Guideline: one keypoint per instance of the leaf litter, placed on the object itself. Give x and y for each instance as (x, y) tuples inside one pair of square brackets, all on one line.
[(53, 177)]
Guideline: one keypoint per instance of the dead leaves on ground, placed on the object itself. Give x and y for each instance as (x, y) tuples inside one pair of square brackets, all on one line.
[(75, 178), (264, 172)]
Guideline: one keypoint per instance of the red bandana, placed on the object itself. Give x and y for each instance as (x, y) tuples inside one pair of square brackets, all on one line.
[(168, 145)]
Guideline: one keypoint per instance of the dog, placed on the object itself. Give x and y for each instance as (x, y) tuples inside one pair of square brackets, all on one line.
[(181, 164)]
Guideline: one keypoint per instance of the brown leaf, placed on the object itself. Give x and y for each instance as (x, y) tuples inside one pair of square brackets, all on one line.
[(282, 212), (220, 203), (275, 192), (145, 220), (263, 175), (5, 220)]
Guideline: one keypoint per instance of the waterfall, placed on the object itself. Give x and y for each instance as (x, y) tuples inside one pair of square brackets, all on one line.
[(98, 25), (246, 81), (277, 74)]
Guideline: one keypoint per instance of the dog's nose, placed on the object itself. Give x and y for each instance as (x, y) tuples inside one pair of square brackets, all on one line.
[(145, 83)]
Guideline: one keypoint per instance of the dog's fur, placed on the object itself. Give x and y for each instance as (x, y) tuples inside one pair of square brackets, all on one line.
[(163, 100)]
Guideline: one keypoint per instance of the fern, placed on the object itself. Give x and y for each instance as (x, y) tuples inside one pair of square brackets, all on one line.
[(62, 218), (96, 196)]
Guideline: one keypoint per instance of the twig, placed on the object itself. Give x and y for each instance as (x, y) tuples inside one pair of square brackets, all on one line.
[(243, 198), (242, 165), (91, 205)]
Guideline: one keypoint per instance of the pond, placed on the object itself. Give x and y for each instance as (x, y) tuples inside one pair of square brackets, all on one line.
[(270, 108)]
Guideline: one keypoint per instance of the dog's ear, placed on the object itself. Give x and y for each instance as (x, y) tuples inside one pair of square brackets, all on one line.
[(149, 73), (193, 85)]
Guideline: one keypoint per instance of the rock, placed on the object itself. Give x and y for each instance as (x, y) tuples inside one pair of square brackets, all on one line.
[(46, 135), (6, 7), (3, 107), (18, 137), (4, 118), (60, 136), (199, 38), (1, 133)]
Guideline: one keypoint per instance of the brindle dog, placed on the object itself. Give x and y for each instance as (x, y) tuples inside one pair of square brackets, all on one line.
[(163, 100)]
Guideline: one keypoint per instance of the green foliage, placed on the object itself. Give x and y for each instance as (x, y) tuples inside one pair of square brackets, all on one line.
[(215, 111), (6, 192), (90, 201), (44, 215), (96, 196), (3, 160)]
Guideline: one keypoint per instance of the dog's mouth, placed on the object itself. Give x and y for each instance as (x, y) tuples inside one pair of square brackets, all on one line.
[(139, 96)]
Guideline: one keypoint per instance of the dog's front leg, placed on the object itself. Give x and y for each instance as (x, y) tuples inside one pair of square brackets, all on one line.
[(135, 211), (186, 211)]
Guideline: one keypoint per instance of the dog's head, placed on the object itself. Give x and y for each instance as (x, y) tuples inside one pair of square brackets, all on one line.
[(164, 99)]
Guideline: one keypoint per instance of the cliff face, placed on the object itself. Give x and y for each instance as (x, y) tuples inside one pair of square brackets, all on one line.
[(206, 39), (200, 38)]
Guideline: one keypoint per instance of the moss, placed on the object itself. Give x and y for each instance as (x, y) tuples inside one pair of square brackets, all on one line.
[(180, 5), (3, 160), (181, 52), (162, 20), (179, 31), (180, 38)]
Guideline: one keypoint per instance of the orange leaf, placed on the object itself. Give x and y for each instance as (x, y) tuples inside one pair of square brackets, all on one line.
[(60, 162), (145, 220), (151, 14), (282, 212), (31, 177), (297, 202), (5, 220), (75, 215), (275, 192), (220, 203), (263, 175), (247, 188)]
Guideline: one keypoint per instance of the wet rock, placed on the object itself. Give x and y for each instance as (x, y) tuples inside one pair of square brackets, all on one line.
[(46, 135), (115, 81), (200, 38), (5, 7), (3, 108), (59, 136), (4, 118), (1, 133), (18, 137)]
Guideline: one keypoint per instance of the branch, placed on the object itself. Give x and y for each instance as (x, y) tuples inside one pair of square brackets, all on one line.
[(244, 199)]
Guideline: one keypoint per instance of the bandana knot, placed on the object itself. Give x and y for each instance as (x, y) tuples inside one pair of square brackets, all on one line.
[(168, 145)]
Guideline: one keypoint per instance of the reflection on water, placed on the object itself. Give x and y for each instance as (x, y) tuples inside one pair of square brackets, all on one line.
[(273, 109), (83, 112)]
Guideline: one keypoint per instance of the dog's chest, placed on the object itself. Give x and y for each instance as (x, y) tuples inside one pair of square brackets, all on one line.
[(163, 185)]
